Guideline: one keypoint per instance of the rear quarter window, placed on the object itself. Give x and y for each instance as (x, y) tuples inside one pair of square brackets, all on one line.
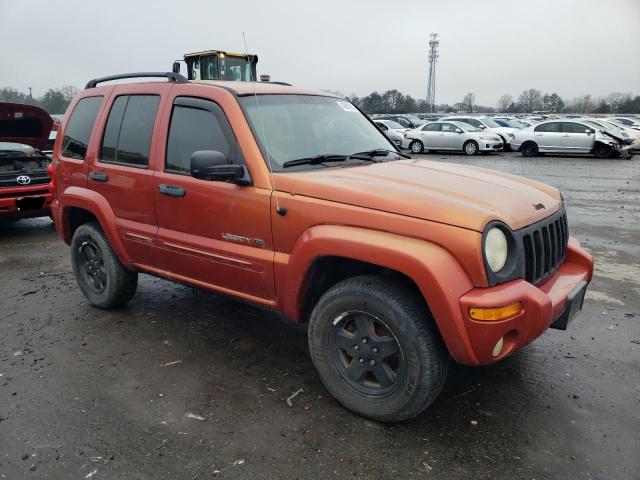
[(79, 127)]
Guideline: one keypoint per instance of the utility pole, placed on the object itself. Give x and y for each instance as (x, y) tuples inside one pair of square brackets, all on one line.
[(434, 44), (30, 95)]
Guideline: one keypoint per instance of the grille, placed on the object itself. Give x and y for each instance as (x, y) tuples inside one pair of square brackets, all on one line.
[(10, 179), (545, 247)]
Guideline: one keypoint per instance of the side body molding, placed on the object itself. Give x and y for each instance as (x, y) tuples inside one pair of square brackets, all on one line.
[(438, 275)]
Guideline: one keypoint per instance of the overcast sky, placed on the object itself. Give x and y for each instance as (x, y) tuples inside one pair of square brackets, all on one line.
[(488, 47)]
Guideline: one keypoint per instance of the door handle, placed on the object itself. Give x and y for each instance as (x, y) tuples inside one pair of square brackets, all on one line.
[(171, 190), (565, 135), (98, 176)]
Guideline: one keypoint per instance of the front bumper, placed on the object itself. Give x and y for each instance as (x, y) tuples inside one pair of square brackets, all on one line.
[(490, 146), (542, 305), (25, 202)]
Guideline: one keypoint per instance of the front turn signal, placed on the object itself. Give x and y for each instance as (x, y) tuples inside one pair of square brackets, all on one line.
[(496, 313)]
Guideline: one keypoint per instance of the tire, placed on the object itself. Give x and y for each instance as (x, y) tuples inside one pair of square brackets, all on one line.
[(529, 149), (416, 146), (101, 277), (603, 151), (411, 374), (470, 147)]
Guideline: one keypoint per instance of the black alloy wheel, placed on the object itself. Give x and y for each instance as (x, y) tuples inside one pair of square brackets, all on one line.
[(366, 353)]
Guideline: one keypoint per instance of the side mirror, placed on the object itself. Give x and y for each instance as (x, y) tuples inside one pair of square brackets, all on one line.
[(588, 131), (458, 130), (214, 165), (176, 67), (482, 127)]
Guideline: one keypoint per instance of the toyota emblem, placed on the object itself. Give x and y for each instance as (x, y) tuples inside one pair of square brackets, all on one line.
[(23, 180)]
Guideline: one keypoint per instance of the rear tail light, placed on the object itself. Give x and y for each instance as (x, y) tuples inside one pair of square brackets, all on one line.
[(52, 175)]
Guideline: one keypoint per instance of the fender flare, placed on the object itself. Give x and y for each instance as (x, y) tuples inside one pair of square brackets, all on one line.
[(95, 203), (437, 274)]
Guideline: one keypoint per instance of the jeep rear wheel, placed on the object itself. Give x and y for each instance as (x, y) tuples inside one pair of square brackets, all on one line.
[(416, 146), (376, 348), (101, 277)]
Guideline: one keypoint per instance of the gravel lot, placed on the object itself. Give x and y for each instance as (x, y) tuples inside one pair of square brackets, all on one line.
[(187, 384)]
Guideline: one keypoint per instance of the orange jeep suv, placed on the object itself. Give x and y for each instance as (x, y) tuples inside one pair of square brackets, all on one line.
[(294, 200)]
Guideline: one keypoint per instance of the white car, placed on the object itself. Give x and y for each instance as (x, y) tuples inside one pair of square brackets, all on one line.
[(622, 132), (486, 123), (569, 136), (394, 131), (447, 135), (627, 122)]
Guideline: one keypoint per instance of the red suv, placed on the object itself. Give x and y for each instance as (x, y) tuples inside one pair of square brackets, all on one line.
[(24, 179), (294, 200)]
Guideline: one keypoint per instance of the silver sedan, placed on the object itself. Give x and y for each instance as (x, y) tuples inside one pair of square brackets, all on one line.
[(459, 136), (569, 136)]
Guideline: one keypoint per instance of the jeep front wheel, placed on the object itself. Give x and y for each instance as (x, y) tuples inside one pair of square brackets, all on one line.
[(376, 348), (101, 277)]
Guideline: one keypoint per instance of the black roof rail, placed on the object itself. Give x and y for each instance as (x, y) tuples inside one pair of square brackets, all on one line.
[(173, 77)]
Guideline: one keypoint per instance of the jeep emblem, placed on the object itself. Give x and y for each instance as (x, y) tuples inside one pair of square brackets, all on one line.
[(538, 206), (23, 179)]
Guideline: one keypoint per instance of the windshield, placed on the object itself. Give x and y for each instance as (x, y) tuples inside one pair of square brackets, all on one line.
[(393, 125), (489, 122), (467, 127), (303, 126)]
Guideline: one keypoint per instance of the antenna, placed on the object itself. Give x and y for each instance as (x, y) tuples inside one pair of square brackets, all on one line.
[(434, 43), (281, 210)]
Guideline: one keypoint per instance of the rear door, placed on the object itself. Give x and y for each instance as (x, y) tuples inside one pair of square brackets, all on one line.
[(214, 234), (122, 170), (577, 137), (548, 136)]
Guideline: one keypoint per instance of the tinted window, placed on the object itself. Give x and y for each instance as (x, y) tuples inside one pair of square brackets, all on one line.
[(127, 136), (432, 127), (382, 126), (193, 129), (78, 131), (570, 127), (548, 127)]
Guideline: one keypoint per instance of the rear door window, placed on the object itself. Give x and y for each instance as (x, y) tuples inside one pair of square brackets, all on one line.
[(127, 136), (79, 127), (432, 127), (548, 127)]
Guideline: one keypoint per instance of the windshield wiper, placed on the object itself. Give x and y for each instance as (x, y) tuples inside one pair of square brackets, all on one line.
[(325, 158), (381, 152)]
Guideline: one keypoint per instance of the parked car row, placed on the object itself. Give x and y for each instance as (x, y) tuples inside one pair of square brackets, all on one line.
[(603, 137)]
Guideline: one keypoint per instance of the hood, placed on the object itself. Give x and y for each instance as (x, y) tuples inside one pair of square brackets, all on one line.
[(24, 124), (459, 195)]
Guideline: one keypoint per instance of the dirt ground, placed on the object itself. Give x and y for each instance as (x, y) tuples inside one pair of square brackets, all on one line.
[(186, 384)]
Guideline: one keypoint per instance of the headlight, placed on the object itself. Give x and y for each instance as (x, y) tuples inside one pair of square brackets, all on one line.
[(496, 249)]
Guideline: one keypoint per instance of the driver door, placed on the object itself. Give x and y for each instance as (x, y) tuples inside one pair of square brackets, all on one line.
[(212, 233), (450, 139), (430, 135)]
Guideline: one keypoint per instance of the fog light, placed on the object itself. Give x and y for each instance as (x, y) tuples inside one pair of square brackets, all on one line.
[(495, 314), (498, 347)]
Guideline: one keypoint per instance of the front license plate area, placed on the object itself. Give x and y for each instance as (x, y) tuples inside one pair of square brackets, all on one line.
[(30, 203), (574, 304)]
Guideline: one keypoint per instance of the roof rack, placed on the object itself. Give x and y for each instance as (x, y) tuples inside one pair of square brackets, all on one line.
[(171, 76)]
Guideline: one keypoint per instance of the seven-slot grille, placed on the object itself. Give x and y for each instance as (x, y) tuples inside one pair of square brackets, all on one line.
[(545, 247)]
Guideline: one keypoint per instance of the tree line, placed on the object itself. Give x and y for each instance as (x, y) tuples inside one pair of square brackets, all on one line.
[(54, 100), (531, 100)]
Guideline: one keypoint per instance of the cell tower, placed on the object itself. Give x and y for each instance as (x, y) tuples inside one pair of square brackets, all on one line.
[(434, 43)]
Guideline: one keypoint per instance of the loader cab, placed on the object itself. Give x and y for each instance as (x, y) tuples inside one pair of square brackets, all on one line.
[(219, 65)]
